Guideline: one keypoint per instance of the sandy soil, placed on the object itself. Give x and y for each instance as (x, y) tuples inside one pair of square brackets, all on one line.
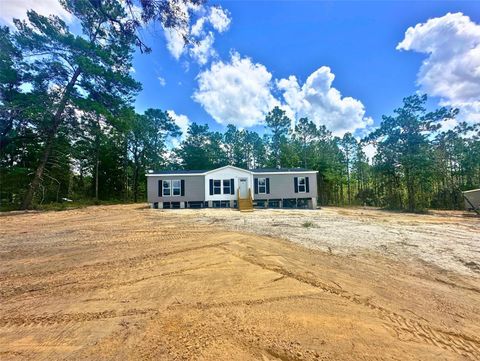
[(127, 282), (447, 240)]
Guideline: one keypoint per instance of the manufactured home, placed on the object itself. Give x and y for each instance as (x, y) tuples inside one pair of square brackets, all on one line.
[(233, 187)]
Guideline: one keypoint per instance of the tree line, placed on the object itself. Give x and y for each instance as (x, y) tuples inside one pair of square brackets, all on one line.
[(69, 130)]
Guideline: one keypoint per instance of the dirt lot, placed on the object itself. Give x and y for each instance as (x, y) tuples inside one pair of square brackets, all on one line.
[(127, 282)]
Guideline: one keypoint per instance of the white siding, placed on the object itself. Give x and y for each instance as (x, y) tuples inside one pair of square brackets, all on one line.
[(226, 173)]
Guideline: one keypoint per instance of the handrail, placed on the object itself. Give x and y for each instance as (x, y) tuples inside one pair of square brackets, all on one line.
[(249, 196)]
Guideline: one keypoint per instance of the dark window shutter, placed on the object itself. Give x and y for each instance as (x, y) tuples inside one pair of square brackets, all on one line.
[(211, 187), (182, 187), (267, 182), (160, 189), (295, 184), (232, 186), (255, 185), (307, 186)]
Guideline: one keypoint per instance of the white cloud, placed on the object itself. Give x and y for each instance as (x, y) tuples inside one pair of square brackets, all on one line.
[(203, 50), (162, 81), (219, 18), (451, 70), (202, 33), (370, 150), (18, 9), (240, 92), (197, 28), (181, 120), (323, 104), (175, 42), (236, 92)]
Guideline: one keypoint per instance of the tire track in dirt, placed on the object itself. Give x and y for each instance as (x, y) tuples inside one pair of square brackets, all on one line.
[(68, 318), (103, 239), (250, 302), (56, 288), (461, 344), (131, 261)]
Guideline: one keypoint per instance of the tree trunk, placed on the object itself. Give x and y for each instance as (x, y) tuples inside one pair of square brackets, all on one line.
[(135, 173), (97, 157), (97, 161), (410, 191), (348, 179), (304, 154), (135, 184), (57, 120)]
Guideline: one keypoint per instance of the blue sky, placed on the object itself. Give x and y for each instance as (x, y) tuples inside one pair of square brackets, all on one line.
[(356, 40), (335, 62)]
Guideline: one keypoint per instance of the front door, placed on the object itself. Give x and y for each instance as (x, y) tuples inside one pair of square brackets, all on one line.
[(243, 185)]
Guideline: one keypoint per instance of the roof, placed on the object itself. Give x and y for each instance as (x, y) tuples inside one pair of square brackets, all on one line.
[(278, 170), (203, 172), (178, 171)]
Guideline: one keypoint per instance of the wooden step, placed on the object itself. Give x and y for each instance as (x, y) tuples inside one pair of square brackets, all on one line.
[(245, 205)]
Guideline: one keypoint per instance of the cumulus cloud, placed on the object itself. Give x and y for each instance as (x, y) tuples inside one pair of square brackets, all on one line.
[(203, 50), (175, 42), (216, 16), (322, 103), (236, 92), (451, 70), (219, 18), (183, 123), (181, 120), (18, 9), (240, 92), (197, 28), (202, 33)]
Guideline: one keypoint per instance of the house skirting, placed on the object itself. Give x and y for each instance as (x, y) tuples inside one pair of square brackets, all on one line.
[(291, 203)]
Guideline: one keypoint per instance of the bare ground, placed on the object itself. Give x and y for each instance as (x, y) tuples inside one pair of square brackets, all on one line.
[(127, 282)]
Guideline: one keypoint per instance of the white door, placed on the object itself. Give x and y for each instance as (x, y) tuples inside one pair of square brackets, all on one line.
[(243, 185)]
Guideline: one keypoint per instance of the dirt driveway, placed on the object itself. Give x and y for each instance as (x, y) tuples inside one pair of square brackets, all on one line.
[(127, 282)]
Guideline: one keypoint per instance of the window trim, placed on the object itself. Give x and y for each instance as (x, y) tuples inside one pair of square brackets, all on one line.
[(166, 181), (219, 187), (304, 185), (229, 186), (171, 187), (264, 185), (179, 188)]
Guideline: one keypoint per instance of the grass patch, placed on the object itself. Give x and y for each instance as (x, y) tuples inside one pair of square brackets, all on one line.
[(62, 206), (307, 224)]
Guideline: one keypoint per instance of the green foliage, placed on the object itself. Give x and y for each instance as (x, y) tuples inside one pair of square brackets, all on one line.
[(68, 129), (278, 124), (405, 155), (307, 224)]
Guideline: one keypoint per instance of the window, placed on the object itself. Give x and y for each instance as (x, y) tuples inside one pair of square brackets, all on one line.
[(262, 185), (172, 187), (217, 186), (166, 188), (176, 187), (226, 186), (302, 188)]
